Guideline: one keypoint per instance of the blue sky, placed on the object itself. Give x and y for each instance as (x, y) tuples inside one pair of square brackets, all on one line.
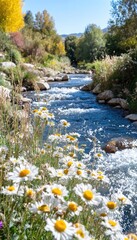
[(72, 16)]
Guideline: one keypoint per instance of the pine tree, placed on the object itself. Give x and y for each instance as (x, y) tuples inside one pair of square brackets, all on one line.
[(11, 16)]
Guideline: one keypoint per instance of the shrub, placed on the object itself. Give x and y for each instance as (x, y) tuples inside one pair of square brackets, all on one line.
[(14, 55)]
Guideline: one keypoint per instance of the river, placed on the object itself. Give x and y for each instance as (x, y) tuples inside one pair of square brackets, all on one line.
[(87, 117)]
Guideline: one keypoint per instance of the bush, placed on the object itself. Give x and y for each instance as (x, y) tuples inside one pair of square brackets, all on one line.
[(14, 55)]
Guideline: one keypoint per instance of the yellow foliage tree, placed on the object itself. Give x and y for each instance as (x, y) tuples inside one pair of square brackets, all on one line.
[(60, 49), (11, 16)]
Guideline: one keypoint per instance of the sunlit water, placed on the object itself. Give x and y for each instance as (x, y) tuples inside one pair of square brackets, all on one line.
[(67, 101)]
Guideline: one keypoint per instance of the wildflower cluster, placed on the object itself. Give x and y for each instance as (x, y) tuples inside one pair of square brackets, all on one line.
[(50, 193)]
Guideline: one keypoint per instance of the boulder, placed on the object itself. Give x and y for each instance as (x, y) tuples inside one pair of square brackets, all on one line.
[(97, 89), (65, 78), (8, 64), (118, 101), (85, 88), (132, 117), (106, 95), (28, 65), (43, 85), (58, 78), (119, 143)]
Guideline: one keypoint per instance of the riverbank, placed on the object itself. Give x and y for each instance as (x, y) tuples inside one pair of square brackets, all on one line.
[(39, 157)]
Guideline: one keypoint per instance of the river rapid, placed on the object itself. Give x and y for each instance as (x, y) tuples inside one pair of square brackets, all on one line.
[(101, 122)]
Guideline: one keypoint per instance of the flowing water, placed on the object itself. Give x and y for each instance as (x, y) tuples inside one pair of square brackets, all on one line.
[(87, 117)]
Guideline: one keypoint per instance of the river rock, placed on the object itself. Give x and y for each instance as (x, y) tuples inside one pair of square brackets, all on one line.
[(97, 89), (132, 117), (118, 144), (118, 101), (58, 78), (65, 78), (43, 85), (8, 64), (106, 95), (87, 87), (28, 65)]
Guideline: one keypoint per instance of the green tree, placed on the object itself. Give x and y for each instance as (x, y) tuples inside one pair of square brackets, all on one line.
[(123, 26), (44, 23), (70, 47), (91, 45), (29, 19)]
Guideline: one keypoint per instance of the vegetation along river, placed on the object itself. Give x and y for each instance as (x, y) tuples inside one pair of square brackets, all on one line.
[(90, 119)]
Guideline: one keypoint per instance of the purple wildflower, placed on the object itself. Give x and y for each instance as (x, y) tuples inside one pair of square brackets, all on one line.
[(1, 224)]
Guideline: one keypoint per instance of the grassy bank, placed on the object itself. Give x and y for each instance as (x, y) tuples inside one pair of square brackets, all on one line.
[(118, 74)]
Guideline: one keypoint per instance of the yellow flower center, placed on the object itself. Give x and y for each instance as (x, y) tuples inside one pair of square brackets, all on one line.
[(57, 134), (122, 199), (73, 207), (103, 214), (44, 108), (30, 192), (88, 195), (70, 138), (66, 171), (11, 188), (99, 172), (44, 208), (60, 225), (65, 123), (79, 172), (69, 164), (99, 154), (80, 232), (56, 191), (35, 110), (79, 165), (112, 223), (100, 177), (24, 173), (111, 205), (71, 154), (76, 225), (42, 151)]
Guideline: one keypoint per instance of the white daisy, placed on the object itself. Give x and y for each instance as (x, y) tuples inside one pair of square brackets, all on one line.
[(61, 229), (88, 194), (74, 208), (40, 207), (46, 205), (64, 123), (112, 225), (24, 172), (57, 190), (110, 204), (121, 199), (81, 233), (13, 190)]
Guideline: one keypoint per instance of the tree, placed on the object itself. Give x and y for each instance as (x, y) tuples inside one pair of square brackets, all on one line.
[(70, 47), (29, 20), (91, 45), (44, 23), (123, 25), (11, 17)]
